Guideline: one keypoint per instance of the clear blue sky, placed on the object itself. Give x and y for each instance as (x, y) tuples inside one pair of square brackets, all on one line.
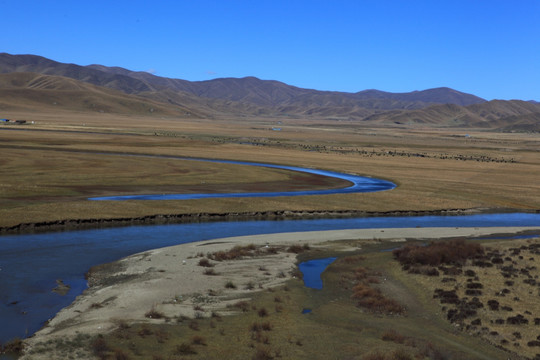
[(490, 48)]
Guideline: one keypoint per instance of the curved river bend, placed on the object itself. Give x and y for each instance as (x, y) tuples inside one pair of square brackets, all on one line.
[(359, 184)]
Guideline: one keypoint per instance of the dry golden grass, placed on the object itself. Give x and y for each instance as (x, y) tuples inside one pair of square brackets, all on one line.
[(50, 167)]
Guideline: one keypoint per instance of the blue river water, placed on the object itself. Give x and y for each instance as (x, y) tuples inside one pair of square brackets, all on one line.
[(359, 184), (31, 263)]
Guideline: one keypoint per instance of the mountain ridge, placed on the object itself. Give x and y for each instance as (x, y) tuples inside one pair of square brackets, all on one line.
[(41, 80), (247, 89)]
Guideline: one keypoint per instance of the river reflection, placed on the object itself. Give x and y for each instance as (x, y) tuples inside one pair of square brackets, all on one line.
[(31, 264)]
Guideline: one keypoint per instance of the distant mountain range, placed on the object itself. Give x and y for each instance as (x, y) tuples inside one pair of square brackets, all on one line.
[(30, 80)]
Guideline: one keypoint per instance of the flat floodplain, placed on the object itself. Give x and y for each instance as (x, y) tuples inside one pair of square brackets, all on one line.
[(52, 166)]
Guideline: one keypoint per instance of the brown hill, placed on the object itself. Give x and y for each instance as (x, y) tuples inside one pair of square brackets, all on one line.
[(497, 114), (24, 91)]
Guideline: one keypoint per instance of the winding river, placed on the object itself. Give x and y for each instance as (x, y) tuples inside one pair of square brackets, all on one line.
[(359, 184), (30, 264)]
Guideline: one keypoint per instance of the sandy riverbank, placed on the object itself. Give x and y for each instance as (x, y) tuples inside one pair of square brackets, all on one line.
[(170, 280)]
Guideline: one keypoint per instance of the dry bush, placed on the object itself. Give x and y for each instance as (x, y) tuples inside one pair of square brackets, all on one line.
[(205, 263), (242, 305), (210, 272), (374, 356), (262, 312), (262, 353), (352, 259), (185, 349), (373, 300), (394, 336), (120, 355), (297, 249), (162, 336), (198, 340), (14, 346), (154, 314), (437, 253), (236, 252), (100, 348), (144, 331), (194, 325)]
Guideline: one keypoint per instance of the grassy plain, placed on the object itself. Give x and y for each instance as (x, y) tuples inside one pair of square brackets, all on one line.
[(50, 167)]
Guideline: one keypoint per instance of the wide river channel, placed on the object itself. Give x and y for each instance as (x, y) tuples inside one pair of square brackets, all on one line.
[(30, 264)]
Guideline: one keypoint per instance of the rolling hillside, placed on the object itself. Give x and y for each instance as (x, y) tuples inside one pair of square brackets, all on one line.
[(30, 80), (31, 91)]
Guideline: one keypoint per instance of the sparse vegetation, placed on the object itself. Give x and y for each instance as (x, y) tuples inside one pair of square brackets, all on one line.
[(154, 314)]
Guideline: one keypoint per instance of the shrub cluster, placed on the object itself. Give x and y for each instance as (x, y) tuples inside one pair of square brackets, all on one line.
[(14, 346), (236, 252), (437, 253), (374, 300)]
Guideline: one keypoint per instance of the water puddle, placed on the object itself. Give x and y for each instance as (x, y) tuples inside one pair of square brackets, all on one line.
[(312, 271)]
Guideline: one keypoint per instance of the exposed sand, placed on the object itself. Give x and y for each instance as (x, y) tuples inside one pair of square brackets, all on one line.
[(169, 280)]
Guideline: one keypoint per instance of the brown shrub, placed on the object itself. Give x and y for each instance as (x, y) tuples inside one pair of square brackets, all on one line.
[(162, 336), (296, 249), (144, 331), (120, 355), (437, 253), (198, 340), (154, 314), (352, 259), (100, 348), (236, 252), (194, 325), (394, 336), (210, 272), (185, 349), (262, 353), (14, 346), (374, 356), (373, 300), (242, 305), (205, 262)]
